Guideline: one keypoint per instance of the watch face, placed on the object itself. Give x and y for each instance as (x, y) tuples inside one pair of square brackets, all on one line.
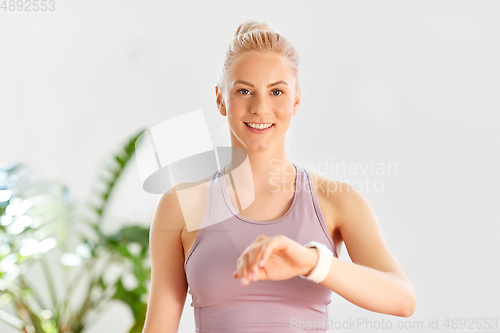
[(316, 245), (311, 244)]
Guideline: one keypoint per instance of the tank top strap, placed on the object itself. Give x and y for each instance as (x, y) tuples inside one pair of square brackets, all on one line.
[(301, 185), (219, 211), (310, 199)]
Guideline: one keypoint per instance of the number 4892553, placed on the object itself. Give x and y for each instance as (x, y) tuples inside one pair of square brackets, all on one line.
[(28, 5)]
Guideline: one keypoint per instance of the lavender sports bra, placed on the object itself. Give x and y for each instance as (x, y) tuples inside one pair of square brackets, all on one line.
[(220, 303)]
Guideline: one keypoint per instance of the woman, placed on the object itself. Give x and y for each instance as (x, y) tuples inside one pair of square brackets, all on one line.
[(249, 270)]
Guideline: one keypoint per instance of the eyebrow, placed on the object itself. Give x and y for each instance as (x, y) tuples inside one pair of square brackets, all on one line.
[(251, 85)]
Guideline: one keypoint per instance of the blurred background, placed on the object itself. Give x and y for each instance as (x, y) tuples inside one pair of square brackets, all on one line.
[(399, 98)]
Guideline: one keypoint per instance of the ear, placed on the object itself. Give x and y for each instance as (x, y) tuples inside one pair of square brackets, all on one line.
[(296, 102), (220, 101)]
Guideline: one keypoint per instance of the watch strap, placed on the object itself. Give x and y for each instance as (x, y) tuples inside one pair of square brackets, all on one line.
[(322, 268)]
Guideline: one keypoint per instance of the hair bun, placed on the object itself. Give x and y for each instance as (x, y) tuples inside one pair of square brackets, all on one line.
[(251, 25), (257, 36)]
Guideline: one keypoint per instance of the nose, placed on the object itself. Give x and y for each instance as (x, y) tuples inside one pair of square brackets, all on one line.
[(259, 105)]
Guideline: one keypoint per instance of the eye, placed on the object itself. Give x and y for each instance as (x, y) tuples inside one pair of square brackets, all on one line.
[(279, 90), (240, 90)]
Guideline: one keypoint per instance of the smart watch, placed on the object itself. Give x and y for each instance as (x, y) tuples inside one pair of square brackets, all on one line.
[(320, 271)]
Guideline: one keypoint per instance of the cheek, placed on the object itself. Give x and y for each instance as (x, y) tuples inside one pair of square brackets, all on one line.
[(237, 106), (235, 116), (285, 104), (284, 112)]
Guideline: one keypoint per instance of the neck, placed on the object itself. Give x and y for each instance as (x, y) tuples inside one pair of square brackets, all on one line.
[(268, 168), (272, 175)]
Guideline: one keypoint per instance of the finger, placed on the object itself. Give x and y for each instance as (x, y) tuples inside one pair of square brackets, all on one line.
[(244, 261), (244, 268), (260, 259), (255, 258), (255, 254), (244, 265), (239, 267), (240, 263), (248, 259), (265, 240)]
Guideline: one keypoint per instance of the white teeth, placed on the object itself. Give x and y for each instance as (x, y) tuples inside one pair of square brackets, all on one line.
[(259, 126)]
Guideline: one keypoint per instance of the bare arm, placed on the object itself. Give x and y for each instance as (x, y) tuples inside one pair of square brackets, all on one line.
[(375, 280), (168, 281)]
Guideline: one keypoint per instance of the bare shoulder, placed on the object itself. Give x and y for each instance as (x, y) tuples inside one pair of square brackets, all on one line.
[(186, 203), (338, 196), (329, 189)]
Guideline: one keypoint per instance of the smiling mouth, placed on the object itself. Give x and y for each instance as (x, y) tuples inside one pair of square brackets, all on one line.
[(272, 125)]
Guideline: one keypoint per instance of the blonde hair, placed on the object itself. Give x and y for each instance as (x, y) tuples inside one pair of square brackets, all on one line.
[(257, 36)]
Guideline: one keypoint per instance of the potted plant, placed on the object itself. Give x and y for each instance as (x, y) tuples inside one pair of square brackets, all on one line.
[(39, 222)]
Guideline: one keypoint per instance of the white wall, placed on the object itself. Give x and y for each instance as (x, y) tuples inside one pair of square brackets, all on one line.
[(413, 83)]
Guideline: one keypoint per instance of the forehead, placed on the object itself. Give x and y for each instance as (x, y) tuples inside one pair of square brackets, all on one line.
[(260, 66)]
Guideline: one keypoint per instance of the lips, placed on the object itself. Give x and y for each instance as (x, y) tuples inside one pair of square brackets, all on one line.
[(260, 131), (272, 124)]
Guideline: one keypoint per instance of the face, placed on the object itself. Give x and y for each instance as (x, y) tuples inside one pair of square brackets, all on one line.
[(260, 88)]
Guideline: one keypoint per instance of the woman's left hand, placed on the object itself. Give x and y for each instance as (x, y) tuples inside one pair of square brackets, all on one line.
[(282, 258)]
